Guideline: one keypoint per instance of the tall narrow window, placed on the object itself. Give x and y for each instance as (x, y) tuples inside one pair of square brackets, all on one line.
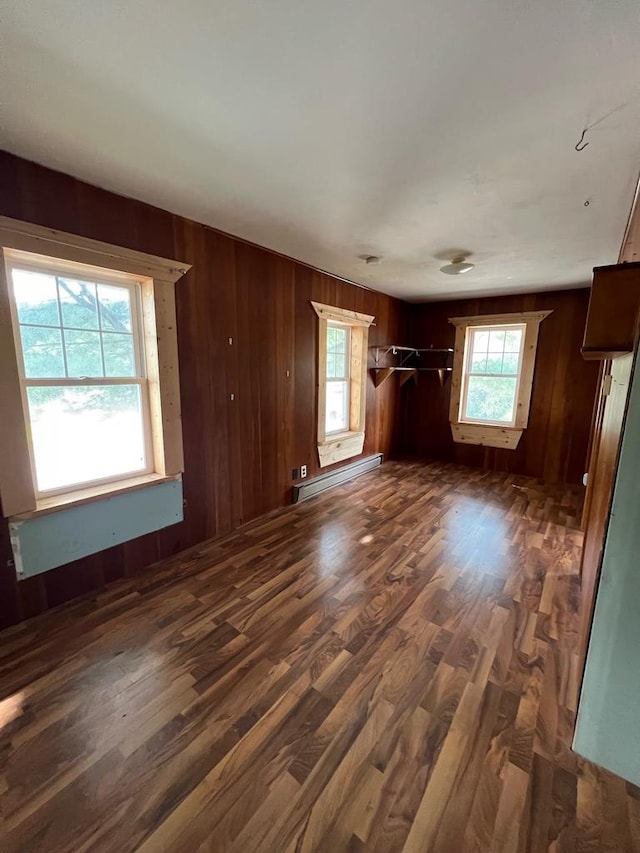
[(342, 381), (82, 375), (493, 362), (338, 378)]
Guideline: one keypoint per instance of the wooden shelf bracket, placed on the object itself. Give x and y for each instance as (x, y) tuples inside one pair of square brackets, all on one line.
[(406, 366)]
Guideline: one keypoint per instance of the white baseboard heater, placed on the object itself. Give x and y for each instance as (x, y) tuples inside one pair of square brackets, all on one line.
[(302, 491)]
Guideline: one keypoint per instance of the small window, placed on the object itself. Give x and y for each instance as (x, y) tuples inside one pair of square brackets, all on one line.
[(493, 362), (338, 378), (82, 375)]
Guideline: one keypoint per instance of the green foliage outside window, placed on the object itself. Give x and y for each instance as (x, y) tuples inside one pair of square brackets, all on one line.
[(491, 398), (90, 326)]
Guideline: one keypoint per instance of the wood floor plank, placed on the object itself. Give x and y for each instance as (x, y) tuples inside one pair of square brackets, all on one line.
[(440, 788), (389, 666)]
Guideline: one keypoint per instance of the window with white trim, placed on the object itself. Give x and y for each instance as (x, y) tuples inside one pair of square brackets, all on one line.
[(493, 365), (82, 375), (89, 378), (343, 337)]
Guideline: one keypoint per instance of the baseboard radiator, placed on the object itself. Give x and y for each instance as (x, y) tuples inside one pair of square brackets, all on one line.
[(302, 491)]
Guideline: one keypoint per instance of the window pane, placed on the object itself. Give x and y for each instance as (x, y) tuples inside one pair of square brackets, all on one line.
[(78, 303), (119, 359), (339, 339), (36, 297), (511, 362), (337, 414), (490, 398), (85, 433), (83, 353), (115, 307), (42, 351), (340, 365), (479, 363), (494, 362), (331, 365), (331, 338), (480, 342), (496, 340), (512, 340)]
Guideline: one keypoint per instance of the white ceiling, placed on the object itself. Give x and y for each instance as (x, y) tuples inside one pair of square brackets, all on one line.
[(341, 128)]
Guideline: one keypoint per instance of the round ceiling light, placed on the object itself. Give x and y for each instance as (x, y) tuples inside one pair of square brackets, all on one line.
[(456, 267)]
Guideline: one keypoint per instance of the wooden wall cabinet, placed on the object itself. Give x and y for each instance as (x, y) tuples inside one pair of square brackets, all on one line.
[(613, 309)]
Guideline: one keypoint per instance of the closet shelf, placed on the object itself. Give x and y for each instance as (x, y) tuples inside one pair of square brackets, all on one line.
[(382, 373), (394, 349), (407, 367)]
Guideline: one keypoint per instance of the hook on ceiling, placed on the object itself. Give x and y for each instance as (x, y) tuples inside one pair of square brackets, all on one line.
[(580, 146)]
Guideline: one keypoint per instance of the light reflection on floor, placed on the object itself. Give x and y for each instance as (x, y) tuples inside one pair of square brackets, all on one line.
[(478, 529), (10, 709), (334, 546)]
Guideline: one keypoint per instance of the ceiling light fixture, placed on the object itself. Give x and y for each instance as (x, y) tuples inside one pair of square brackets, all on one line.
[(372, 259), (457, 266)]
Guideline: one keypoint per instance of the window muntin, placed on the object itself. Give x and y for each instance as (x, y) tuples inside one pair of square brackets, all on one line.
[(491, 375), (82, 376), (338, 378)]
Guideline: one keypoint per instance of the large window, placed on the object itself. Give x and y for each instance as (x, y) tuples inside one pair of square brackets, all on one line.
[(493, 366), (82, 376), (342, 381), (493, 361), (89, 385)]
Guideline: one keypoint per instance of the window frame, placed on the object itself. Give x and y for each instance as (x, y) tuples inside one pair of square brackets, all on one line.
[(487, 433), (336, 446), (333, 324), (467, 373), (56, 267), (83, 257)]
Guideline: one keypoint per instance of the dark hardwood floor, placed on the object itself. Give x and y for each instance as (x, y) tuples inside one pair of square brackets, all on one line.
[(390, 666)]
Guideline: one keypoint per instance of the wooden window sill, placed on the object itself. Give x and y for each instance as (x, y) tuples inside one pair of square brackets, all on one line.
[(93, 493), (487, 435), (340, 446), (332, 438)]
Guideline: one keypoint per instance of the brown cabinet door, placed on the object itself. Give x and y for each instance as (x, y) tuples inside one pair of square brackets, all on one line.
[(613, 309)]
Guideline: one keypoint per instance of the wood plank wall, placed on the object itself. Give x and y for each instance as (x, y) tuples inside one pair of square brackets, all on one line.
[(238, 455), (554, 446)]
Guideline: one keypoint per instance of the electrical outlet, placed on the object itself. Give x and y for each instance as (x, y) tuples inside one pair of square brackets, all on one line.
[(303, 470)]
